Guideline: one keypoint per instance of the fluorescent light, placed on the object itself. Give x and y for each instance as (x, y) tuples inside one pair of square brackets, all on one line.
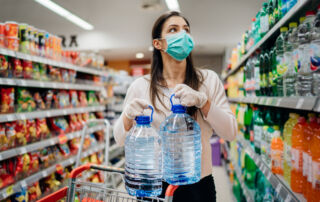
[(139, 55), (65, 13), (173, 5)]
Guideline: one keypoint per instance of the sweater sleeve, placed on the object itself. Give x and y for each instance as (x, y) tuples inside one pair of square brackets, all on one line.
[(220, 116)]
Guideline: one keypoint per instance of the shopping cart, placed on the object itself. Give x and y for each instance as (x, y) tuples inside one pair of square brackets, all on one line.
[(85, 191)]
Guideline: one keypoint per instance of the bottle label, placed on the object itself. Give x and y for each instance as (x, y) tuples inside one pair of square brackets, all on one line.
[(295, 59), (315, 56), (264, 22), (305, 160), (296, 159), (309, 168), (287, 154), (276, 159), (316, 175), (281, 67)]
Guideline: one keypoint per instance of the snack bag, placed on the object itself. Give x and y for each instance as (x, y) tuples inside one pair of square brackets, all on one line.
[(34, 192), (21, 196), (65, 75), (11, 134), (44, 157), (80, 120), (82, 98), (72, 76), (48, 97), (36, 71), (32, 131), (42, 128), (43, 72), (73, 123), (85, 117), (22, 165), (34, 162), (7, 100), (3, 138), (4, 66), (92, 98), (64, 149), (63, 99), (59, 125), (74, 98), (22, 136), (54, 74), (27, 69), (25, 101), (74, 145), (39, 101), (17, 69)]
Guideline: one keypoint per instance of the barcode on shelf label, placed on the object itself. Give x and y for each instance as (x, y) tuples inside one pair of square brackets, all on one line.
[(278, 102), (23, 184), (278, 189), (288, 198), (299, 103)]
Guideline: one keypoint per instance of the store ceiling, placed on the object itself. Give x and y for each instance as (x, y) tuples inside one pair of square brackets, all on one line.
[(123, 28)]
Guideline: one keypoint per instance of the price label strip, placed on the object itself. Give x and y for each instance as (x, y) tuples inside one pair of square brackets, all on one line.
[(299, 103), (278, 102)]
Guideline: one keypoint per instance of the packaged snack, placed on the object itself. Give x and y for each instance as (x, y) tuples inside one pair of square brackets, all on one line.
[(32, 131), (17, 69), (80, 120), (21, 196), (65, 75), (11, 43), (63, 99), (23, 37), (48, 97), (99, 115), (3, 138), (39, 101), (56, 153), (82, 98), (74, 98), (36, 71), (4, 66), (64, 149), (59, 125), (92, 116), (22, 136), (27, 69), (34, 162), (34, 192), (54, 74), (7, 100), (11, 29), (92, 98), (42, 128), (85, 117), (73, 123), (11, 134), (74, 145), (44, 157), (22, 166), (43, 72), (25, 101), (2, 28), (72, 76), (6, 175)]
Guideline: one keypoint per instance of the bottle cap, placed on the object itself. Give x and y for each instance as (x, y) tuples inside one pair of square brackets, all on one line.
[(301, 19), (283, 29), (178, 109), (253, 19), (293, 24), (264, 4), (143, 120), (309, 13)]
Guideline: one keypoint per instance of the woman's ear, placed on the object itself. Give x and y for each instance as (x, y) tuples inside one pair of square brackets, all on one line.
[(158, 44)]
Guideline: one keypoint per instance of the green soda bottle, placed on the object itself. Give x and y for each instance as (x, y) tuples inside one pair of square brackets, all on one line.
[(270, 13), (273, 77), (258, 130), (264, 20), (249, 172), (266, 72)]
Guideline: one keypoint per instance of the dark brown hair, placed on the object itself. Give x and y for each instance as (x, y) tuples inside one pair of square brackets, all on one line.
[(193, 78)]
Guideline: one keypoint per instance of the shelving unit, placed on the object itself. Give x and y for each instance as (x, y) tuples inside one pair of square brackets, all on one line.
[(300, 4)]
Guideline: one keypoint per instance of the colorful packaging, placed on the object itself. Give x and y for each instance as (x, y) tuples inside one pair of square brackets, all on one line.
[(36, 71), (17, 69), (72, 76), (41, 42), (21, 196), (34, 162), (2, 28), (39, 101), (27, 69), (82, 98), (3, 138), (59, 125), (25, 101), (42, 128), (74, 98), (64, 149), (23, 36), (65, 75), (11, 134), (48, 97), (22, 135), (92, 98), (7, 100), (32, 131), (4, 66), (11, 29), (12, 43), (43, 72), (54, 74), (34, 192), (6, 175)]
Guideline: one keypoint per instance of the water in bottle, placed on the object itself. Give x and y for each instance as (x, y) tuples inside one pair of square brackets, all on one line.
[(305, 77), (264, 19), (315, 54), (181, 146), (281, 65), (289, 77), (143, 175)]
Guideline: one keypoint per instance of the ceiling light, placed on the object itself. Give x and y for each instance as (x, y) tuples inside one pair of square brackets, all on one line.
[(139, 55), (65, 13), (173, 5)]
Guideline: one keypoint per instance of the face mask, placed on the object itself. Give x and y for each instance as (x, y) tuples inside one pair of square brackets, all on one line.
[(179, 45)]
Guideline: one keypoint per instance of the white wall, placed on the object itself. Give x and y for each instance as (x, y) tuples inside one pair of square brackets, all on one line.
[(213, 62)]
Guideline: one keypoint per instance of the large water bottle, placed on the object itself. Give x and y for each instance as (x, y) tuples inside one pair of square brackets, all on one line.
[(305, 77), (289, 77), (280, 60), (181, 146), (315, 51), (143, 174)]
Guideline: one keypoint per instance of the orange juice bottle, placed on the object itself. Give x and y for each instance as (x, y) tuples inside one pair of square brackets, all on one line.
[(277, 154), (315, 153), (296, 155), (307, 159)]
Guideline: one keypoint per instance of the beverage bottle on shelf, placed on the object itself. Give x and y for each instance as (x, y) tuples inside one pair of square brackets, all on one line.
[(275, 11), (271, 132), (289, 77), (247, 122), (258, 130), (256, 66), (282, 6), (268, 71), (249, 172), (287, 134), (281, 65), (143, 175), (262, 74), (181, 147), (258, 28), (290, 4), (273, 73), (315, 54), (264, 140), (305, 77), (315, 153), (306, 157), (270, 13), (296, 155), (277, 153), (268, 193)]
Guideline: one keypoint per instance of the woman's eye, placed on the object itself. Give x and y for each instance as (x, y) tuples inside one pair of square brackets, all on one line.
[(172, 30), (187, 30)]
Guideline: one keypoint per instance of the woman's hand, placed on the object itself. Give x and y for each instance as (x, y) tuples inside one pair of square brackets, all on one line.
[(189, 97), (132, 110)]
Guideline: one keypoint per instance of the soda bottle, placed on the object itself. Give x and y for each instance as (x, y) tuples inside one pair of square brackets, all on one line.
[(258, 130), (273, 73), (262, 74), (270, 13), (267, 70), (264, 20), (258, 28), (181, 147), (315, 54), (291, 3), (282, 6), (247, 122), (276, 11), (267, 129), (305, 77), (249, 172), (281, 66), (287, 134), (315, 153), (277, 153), (289, 77), (296, 155), (307, 158), (143, 174)]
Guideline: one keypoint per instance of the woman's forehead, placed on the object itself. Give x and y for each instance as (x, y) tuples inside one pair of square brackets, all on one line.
[(175, 21)]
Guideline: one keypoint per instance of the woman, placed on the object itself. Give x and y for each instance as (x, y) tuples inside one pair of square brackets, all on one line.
[(201, 91)]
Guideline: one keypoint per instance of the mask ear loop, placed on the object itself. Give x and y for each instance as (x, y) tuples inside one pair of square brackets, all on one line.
[(159, 39)]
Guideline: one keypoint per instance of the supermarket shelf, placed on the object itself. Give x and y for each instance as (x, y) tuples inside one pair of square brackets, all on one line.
[(300, 4), (88, 70), (281, 188), (301, 103), (48, 113), (115, 151), (47, 84), (120, 163), (8, 191), (42, 144)]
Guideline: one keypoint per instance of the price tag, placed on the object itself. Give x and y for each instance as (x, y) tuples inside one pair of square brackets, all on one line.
[(52, 142), (299, 103), (9, 190), (22, 116), (10, 117), (44, 173), (278, 102), (278, 189), (23, 150), (23, 184), (288, 198)]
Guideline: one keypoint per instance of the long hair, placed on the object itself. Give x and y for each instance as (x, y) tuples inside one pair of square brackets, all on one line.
[(193, 78)]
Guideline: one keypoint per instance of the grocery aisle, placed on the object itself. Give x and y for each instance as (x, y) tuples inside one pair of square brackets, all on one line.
[(223, 186)]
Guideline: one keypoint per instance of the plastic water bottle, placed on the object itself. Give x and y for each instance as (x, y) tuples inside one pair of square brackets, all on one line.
[(289, 77), (181, 146), (291, 3), (315, 54), (280, 60), (305, 77), (143, 175)]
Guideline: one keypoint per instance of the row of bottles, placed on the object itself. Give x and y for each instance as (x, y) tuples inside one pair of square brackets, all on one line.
[(292, 66), (287, 143)]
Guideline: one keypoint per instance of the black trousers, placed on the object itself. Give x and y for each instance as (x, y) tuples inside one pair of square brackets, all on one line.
[(202, 191)]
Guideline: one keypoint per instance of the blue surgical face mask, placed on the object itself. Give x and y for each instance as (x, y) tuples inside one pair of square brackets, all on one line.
[(179, 45)]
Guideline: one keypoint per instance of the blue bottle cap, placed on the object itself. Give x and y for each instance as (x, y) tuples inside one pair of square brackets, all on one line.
[(179, 109), (143, 120)]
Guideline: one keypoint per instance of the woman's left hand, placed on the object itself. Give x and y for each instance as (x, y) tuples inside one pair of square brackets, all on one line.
[(189, 97)]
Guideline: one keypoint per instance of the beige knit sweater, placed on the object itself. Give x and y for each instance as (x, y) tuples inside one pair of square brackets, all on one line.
[(220, 118)]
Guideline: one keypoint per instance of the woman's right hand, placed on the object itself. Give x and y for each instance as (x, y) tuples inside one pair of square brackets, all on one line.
[(132, 110)]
